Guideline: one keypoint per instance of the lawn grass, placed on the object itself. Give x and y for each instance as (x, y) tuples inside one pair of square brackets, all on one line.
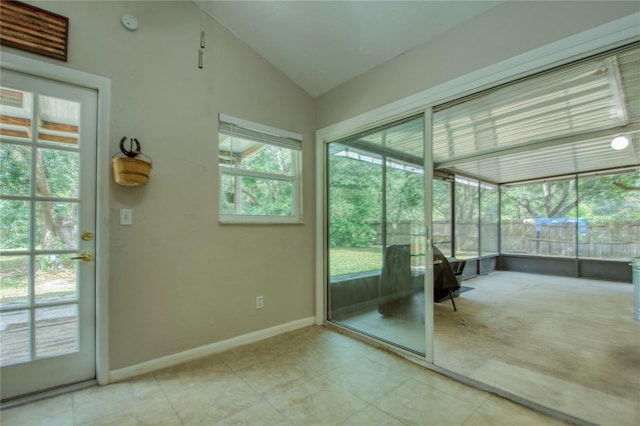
[(351, 260)]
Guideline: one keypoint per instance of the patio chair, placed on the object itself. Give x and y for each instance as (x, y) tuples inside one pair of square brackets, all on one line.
[(395, 288), (447, 276)]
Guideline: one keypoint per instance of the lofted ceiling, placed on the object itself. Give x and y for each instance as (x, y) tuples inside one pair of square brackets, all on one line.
[(321, 44), (558, 123)]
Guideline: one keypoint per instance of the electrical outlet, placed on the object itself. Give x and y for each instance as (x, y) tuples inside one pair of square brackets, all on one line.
[(259, 302), (126, 217)]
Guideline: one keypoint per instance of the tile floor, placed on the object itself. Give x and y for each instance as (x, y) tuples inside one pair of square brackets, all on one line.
[(311, 376)]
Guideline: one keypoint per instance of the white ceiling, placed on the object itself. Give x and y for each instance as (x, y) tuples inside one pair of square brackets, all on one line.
[(322, 44)]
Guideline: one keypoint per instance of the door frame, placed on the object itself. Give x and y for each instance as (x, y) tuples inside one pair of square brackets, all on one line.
[(102, 85)]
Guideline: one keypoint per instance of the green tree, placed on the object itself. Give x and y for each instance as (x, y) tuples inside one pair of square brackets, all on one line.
[(466, 201), (539, 200), (15, 169), (56, 176), (441, 201), (355, 190), (607, 197), (611, 198), (261, 196), (405, 195)]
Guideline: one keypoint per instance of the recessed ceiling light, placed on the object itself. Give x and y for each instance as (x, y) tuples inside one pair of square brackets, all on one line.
[(619, 143)]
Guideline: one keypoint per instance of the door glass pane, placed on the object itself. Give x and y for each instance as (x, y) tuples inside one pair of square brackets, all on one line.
[(14, 280), (355, 228), (58, 173), (15, 173), (55, 278), (14, 337), (56, 330), (14, 225), (15, 110), (59, 120), (56, 225), (377, 233)]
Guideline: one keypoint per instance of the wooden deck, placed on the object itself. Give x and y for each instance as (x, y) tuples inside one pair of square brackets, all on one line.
[(53, 336)]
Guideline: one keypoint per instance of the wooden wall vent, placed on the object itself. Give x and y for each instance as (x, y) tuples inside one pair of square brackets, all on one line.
[(33, 29)]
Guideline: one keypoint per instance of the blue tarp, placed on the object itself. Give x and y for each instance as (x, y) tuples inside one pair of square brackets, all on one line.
[(547, 221)]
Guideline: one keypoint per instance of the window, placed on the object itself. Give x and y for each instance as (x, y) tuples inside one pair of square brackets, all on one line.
[(259, 173)]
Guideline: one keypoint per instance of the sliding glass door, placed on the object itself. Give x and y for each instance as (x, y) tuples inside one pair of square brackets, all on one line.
[(376, 233)]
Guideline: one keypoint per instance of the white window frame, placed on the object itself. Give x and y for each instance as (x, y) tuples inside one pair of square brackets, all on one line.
[(295, 179)]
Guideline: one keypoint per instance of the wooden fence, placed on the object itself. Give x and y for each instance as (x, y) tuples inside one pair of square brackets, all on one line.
[(614, 241)]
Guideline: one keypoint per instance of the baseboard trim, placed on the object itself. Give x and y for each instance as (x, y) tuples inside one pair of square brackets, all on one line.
[(210, 349)]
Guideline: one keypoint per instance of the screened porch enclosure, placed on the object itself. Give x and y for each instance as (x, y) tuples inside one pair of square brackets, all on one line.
[(532, 176), (525, 178), (538, 175), (585, 218)]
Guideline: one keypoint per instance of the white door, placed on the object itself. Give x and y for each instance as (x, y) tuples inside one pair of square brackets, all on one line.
[(47, 234)]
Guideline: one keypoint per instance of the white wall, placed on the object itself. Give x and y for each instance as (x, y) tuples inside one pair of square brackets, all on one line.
[(508, 30), (179, 279)]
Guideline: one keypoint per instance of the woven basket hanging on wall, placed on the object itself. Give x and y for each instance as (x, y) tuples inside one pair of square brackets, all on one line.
[(130, 166)]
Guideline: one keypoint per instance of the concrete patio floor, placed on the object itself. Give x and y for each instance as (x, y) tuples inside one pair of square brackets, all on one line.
[(568, 344)]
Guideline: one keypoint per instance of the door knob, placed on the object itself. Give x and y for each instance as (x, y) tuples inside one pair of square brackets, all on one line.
[(87, 236), (85, 256)]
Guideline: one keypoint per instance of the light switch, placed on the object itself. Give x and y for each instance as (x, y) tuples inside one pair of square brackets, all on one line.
[(126, 217)]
